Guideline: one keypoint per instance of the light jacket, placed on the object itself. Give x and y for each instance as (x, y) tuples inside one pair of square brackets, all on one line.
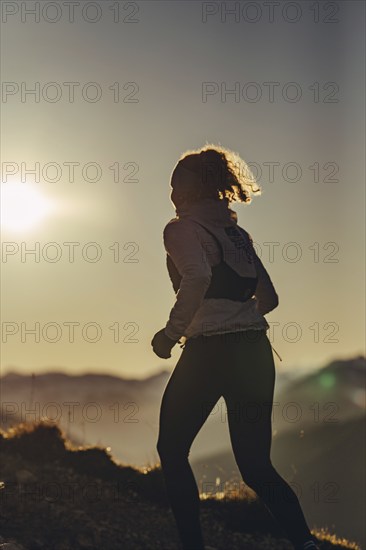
[(196, 241)]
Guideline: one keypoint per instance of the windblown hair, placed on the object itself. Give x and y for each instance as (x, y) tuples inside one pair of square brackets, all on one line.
[(214, 172)]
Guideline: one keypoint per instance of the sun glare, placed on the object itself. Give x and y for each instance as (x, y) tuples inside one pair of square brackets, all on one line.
[(23, 207)]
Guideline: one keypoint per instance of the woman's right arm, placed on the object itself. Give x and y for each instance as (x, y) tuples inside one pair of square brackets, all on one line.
[(267, 297)]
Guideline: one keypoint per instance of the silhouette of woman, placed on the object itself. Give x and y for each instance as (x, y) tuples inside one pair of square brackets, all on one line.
[(223, 292)]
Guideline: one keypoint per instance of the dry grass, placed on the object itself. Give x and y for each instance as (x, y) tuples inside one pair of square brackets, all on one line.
[(126, 507)]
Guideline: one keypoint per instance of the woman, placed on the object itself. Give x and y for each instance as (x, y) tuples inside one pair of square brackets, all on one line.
[(223, 292)]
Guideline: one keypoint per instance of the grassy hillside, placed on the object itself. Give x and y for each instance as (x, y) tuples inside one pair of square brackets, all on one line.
[(58, 497)]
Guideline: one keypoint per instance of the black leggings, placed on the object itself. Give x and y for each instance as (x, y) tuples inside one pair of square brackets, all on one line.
[(238, 366)]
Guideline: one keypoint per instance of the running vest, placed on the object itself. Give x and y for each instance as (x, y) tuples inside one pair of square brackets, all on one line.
[(225, 281)]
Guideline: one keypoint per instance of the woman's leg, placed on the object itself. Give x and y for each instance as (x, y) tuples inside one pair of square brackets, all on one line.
[(192, 391), (249, 387)]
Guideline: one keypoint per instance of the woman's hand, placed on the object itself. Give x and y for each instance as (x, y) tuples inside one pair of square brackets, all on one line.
[(162, 344)]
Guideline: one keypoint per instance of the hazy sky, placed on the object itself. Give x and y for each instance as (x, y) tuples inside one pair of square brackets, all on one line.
[(146, 87)]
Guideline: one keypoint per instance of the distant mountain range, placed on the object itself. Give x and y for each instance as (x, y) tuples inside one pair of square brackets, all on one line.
[(124, 413), (91, 409), (333, 393)]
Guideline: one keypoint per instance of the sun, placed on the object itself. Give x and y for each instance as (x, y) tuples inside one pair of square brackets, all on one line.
[(23, 207)]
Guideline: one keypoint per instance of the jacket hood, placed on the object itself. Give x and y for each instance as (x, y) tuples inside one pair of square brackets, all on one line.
[(213, 212), (219, 218)]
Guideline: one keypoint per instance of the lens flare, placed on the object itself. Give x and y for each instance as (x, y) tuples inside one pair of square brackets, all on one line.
[(327, 380)]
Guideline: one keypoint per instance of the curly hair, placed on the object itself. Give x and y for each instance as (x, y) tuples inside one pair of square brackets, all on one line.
[(213, 171)]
